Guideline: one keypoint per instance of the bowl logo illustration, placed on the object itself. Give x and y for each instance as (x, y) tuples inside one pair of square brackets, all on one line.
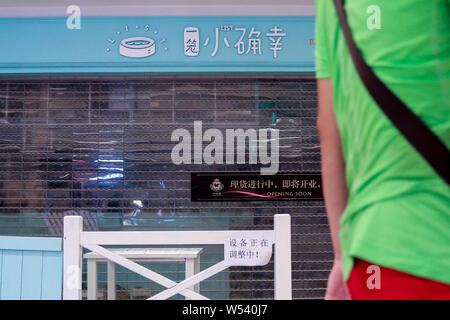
[(137, 47), (136, 41)]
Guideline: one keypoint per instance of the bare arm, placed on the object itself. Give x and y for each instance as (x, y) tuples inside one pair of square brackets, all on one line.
[(333, 165), (333, 181)]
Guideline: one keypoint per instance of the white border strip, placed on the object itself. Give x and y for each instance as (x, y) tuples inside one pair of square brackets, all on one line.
[(161, 10)]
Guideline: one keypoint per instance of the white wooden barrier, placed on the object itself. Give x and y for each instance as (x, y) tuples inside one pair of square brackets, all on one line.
[(75, 238)]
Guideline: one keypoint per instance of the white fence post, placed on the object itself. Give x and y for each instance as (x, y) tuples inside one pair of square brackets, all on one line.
[(283, 276), (73, 226)]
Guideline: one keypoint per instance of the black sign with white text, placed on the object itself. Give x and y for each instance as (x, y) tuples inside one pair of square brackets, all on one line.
[(252, 186)]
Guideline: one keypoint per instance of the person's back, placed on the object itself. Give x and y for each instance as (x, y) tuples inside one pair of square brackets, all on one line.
[(397, 213)]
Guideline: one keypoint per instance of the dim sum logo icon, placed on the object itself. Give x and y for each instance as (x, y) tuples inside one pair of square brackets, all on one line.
[(138, 43), (216, 185)]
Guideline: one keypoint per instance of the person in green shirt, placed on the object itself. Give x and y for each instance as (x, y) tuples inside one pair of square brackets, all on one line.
[(385, 204)]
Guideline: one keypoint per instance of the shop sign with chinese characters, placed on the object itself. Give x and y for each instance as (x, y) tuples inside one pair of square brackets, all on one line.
[(159, 44), (252, 186), (249, 41)]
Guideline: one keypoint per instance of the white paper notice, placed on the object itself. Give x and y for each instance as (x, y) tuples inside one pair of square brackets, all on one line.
[(248, 248)]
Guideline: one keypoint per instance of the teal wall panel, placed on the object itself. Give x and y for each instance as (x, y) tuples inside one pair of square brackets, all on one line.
[(30, 268), (31, 275), (52, 276), (30, 243), (1, 264), (11, 274)]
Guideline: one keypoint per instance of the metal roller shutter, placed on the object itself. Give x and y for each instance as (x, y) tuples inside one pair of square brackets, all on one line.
[(100, 148)]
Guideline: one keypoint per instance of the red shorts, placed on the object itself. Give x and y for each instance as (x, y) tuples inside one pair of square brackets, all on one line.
[(391, 284)]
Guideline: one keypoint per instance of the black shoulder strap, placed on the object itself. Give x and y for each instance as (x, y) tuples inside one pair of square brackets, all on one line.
[(410, 125)]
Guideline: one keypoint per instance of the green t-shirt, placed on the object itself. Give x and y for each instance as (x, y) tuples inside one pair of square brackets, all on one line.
[(398, 211)]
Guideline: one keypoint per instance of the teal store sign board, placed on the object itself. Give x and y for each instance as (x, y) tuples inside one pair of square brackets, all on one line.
[(132, 45)]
